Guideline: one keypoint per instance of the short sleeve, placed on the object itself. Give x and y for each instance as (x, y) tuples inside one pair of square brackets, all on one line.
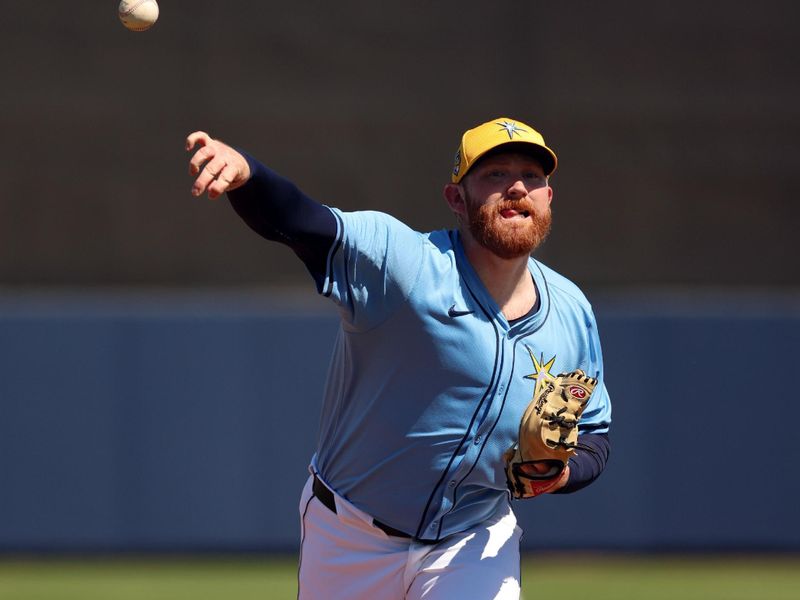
[(372, 267), (596, 417)]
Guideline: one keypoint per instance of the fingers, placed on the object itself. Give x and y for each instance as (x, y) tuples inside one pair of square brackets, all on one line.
[(217, 167), (222, 182), (208, 175), (205, 153), (198, 137), (210, 153)]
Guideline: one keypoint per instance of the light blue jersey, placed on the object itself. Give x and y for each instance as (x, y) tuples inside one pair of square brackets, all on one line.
[(428, 380)]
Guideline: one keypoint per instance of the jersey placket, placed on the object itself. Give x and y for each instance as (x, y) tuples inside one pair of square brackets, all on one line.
[(488, 415), (490, 410)]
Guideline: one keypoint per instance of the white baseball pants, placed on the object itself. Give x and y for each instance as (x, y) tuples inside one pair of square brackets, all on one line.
[(343, 556)]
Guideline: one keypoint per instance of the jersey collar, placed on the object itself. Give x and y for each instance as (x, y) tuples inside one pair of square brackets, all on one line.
[(490, 308)]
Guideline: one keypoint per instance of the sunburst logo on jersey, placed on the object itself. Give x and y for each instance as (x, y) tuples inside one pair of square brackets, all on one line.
[(542, 374)]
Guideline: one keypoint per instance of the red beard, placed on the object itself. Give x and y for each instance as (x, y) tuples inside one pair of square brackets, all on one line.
[(508, 238)]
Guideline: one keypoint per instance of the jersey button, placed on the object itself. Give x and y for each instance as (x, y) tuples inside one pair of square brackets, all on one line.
[(452, 484), (477, 440)]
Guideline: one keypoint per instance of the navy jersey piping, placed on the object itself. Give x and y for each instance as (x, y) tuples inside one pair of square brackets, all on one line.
[(546, 314), (489, 391), (505, 396), (486, 438), (302, 540), (547, 292), (332, 252)]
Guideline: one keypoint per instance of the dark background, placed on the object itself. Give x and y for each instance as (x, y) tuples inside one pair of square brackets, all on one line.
[(676, 126)]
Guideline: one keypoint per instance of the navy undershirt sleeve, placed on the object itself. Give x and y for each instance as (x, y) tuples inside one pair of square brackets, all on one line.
[(589, 461), (276, 209)]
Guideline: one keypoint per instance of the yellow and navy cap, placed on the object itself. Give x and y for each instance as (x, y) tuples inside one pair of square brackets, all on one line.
[(488, 136)]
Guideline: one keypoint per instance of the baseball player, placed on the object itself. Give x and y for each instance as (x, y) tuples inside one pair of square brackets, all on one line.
[(465, 373)]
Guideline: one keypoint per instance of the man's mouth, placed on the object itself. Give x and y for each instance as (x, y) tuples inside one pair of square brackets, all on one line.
[(510, 213)]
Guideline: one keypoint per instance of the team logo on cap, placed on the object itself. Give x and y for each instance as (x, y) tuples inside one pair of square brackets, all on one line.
[(457, 161), (511, 128)]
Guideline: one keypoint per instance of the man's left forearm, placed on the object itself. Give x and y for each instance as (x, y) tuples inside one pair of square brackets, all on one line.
[(589, 461)]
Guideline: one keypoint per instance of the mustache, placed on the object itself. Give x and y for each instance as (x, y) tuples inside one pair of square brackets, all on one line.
[(523, 204)]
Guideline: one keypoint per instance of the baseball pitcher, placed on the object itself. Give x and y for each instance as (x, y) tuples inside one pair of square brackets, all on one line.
[(466, 374)]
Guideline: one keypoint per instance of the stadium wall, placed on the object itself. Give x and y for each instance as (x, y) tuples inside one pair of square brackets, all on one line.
[(184, 422)]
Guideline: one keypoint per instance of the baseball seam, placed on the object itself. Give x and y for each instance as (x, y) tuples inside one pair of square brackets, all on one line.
[(133, 8)]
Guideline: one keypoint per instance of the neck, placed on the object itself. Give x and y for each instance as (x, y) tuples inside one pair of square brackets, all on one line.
[(508, 281)]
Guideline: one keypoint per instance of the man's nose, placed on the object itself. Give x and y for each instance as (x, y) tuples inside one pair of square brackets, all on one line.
[(517, 190)]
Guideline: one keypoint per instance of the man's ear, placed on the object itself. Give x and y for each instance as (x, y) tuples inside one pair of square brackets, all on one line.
[(454, 196)]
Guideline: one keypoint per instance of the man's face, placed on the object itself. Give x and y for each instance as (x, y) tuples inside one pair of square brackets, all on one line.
[(507, 201)]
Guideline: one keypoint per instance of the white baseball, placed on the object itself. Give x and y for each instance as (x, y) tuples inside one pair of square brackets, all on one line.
[(138, 15)]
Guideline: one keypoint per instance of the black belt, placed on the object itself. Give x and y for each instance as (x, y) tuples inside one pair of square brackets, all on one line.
[(326, 497)]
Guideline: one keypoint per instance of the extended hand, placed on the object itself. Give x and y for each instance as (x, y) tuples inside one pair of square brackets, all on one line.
[(225, 169)]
